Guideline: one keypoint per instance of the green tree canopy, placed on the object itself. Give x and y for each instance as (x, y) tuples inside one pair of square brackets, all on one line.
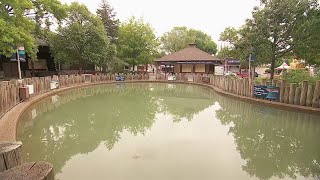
[(19, 21), (278, 29), (179, 38), (137, 43), (231, 36), (108, 17), (307, 37), (82, 40)]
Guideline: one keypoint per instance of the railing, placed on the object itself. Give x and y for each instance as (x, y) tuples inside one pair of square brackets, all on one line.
[(303, 94)]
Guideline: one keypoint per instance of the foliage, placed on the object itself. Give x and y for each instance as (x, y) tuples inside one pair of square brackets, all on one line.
[(274, 30), (179, 38), (137, 43), (307, 37), (83, 40), (230, 35), (110, 22), (18, 27), (299, 75)]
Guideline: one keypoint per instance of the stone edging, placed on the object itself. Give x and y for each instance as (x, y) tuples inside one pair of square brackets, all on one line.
[(9, 122)]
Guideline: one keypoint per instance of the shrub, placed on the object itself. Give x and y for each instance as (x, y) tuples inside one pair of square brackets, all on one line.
[(299, 75)]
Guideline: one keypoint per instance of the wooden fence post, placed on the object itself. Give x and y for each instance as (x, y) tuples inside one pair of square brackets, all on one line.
[(282, 89), (316, 95), (309, 95), (304, 91), (292, 93), (33, 170), (10, 155), (297, 96), (286, 95)]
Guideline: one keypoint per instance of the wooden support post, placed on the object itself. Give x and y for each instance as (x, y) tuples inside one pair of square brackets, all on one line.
[(316, 95), (10, 155), (292, 92), (282, 89), (34, 171), (297, 96), (304, 91), (309, 95), (286, 95)]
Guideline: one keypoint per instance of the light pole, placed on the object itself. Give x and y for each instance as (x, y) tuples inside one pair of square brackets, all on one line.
[(250, 67), (19, 67)]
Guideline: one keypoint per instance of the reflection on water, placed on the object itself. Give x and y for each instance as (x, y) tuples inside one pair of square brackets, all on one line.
[(168, 131)]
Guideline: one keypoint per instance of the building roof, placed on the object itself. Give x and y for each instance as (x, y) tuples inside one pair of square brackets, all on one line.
[(190, 53), (41, 42)]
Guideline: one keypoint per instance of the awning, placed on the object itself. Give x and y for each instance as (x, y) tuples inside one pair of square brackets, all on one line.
[(283, 66)]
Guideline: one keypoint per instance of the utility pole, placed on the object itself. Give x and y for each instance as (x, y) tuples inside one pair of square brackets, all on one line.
[(250, 66), (19, 67)]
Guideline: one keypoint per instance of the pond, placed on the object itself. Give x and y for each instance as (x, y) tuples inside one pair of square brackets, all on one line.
[(168, 131)]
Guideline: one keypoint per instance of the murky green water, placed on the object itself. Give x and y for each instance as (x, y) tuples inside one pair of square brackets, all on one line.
[(168, 132)]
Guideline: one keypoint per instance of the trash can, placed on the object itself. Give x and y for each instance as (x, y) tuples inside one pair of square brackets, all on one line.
[(24, 93)]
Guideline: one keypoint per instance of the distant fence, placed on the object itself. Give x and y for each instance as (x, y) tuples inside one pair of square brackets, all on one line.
[(303, 94), (9, 90)]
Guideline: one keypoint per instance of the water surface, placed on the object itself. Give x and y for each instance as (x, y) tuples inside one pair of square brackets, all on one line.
[(168, 132)]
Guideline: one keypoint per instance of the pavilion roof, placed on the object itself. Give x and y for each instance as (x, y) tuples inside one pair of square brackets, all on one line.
[(188, 54)]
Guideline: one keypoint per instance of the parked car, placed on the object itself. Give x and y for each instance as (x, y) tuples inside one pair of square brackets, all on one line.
[(229, 73)]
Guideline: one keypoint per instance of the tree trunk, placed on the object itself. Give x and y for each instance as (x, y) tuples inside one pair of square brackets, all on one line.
[(104, 69), (273, 63), (32, 68), (80, 70)]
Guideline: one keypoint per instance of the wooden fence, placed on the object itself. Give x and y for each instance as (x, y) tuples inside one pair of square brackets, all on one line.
[(304, 94), (9, 90)]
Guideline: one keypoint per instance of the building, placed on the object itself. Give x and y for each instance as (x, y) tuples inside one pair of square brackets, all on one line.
[(44, 63), (232, 65), (43, 66), (188, 60)]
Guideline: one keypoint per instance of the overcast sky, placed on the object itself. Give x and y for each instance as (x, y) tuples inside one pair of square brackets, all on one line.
[(209, 16)]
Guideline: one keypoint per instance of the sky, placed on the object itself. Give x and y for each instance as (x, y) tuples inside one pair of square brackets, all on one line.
[(209, 16)]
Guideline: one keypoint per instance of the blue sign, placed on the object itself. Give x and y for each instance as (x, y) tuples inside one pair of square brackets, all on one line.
[(253, 57), (22, 56), (120, 78), (266, 92)]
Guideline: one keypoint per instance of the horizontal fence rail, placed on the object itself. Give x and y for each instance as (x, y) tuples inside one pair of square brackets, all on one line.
[(303, 94)]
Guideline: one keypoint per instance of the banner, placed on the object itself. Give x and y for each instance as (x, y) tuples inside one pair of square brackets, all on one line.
[(266, 92), (218, 70)]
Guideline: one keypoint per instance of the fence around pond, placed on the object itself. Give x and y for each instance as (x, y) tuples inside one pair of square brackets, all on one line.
[(303, 94)]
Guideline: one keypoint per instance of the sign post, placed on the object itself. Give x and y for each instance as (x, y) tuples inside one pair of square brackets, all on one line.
[(250, 68), (19, 67)]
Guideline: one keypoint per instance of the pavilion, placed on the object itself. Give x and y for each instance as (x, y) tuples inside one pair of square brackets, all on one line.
[(189, 60)]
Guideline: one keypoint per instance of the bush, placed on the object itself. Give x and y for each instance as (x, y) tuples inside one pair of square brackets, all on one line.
[(299, 75)]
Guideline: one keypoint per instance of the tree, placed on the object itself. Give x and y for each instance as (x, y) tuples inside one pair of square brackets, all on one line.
[(137, 43), (18, 23), (110, 22), (179, 38), (82, 41), (231, 36), (307, 37), (272, 28)]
